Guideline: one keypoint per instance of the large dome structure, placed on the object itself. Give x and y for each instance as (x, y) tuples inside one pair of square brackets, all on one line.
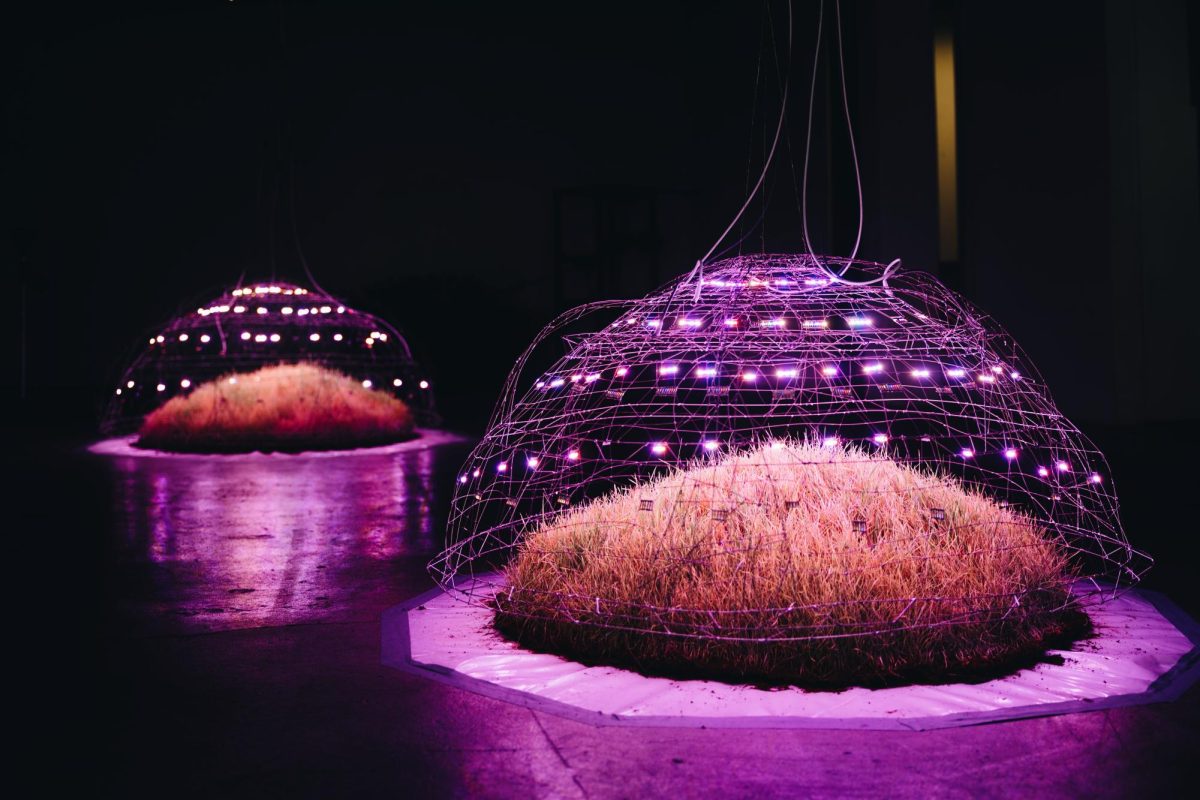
[(760, 349), (259, 324)]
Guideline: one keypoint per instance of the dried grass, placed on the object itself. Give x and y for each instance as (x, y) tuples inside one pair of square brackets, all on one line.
[(793, 563), (289, 407)]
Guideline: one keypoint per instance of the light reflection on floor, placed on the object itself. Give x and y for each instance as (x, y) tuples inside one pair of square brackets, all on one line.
[(235, 542)]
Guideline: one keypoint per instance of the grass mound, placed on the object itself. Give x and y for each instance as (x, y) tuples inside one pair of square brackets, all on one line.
[(289, 407), (793, 564)]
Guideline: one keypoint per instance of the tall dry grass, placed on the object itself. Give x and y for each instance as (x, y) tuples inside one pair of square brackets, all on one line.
[(289, 407), (796, 563)]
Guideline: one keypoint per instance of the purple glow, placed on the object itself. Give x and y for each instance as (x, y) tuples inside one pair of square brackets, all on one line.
[(920, 373), (1063, 466), (668, 369), (314, 337), (1045, 473), (859, 322), (706, 372), (162, 387), (786, 372), (873, 368), (1010, 453), (711, 445), (749, 376), (557, 382), (337, 337), (830, 441), (880, 438), (687, 322), (205, 338), (731, 322), (573, 455), (1095, 478), (502, 466), (829, 370), (622, 372), (956, 373), (658, 448), (967, 452), (592, 378), (532, 462), (815, 323)]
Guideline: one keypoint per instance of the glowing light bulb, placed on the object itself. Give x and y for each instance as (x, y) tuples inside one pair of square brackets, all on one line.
[(462, 478), (397, 382), (239, 309), (711, 445), (129, 384), (749, 376), (185, 383), (557, 382), (998, 370), (261, 337), (815, 323), (275, 337), (658, 448), (532, 462), (1095, 478), (668, 369), (920, 373), (162, 387), (314, 337), (475, 473), (967, 452), (706, 372), (159, 339), (779, 322), (325, 309), (622, 372), (205, 338), (341, 309), (859, 322), (653, 323), (731, 322), (1016, 376), (576, 378), (985, 378), (337, 337), (183, 337), (367, 383), (873, 368), (1043, 472), (573, 455), (786, 372), (956, 373), (592, 378), (829, 441), (286, 310), (502, 466), (829, 370), (245, 336), (262, 310), (880, 438), (118, 390), (232, 380), (1063, 466), (424, 384), (687, 322), (1010, 453)]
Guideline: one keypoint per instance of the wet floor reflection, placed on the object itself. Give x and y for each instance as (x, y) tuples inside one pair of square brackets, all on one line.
[(233, 542)]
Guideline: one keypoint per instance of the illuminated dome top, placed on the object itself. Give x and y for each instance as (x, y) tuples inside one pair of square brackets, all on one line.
[(260, 324), (764, 348)]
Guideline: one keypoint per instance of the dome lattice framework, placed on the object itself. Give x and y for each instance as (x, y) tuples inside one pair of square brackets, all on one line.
[(257, 325), (773, 348)]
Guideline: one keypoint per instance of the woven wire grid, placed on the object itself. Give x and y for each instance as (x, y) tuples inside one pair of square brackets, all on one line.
[(257, 325), (769, 348)]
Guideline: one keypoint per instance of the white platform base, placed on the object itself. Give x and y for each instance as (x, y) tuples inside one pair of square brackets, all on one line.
[(1144, 650)]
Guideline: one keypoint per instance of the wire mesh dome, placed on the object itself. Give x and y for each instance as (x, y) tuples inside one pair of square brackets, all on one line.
[(766, 353), (258, 325)]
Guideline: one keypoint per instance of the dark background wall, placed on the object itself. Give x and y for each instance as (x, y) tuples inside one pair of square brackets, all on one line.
[(428, 144)]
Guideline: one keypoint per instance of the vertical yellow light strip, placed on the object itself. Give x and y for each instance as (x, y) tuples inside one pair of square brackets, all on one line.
[(947, 144)]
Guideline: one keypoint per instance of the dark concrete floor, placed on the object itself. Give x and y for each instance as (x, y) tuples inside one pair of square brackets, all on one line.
[(214, 632)]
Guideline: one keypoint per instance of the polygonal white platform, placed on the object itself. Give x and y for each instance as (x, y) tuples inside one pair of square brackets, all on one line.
[(1145, 650), (425, 438)]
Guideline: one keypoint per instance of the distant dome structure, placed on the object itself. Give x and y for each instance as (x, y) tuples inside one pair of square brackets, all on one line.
[(260, 324), (779, 349)]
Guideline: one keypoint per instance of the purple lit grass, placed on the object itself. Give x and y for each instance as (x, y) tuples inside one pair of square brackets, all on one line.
[(287, 407), (795, 563)]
